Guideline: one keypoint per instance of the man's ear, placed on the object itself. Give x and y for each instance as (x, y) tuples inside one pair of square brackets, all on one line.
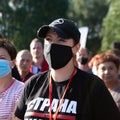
[(76, 48)]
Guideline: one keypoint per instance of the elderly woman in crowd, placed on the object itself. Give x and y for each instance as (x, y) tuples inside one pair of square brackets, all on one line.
[(108, 70)]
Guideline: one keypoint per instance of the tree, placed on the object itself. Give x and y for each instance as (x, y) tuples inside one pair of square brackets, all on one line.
[(89, 13), (24, 17), (5, 17), (111, 26)]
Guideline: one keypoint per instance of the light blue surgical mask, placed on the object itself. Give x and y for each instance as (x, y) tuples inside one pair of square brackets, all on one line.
[(4, 68)]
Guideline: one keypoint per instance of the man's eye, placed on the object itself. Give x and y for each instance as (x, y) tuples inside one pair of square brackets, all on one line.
[(48, 39), (61, 39)]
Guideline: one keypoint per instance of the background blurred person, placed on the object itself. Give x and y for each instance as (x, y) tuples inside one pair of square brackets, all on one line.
[(108, 70), (82, 57), (115, 52), (10, 88), (39, 64), (92, 63), (23, 63), (15, 72)]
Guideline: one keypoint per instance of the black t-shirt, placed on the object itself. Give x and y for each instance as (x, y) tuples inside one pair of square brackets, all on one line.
[(87, 98)]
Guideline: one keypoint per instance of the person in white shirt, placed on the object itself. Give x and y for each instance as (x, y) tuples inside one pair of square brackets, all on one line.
[(10, 88)]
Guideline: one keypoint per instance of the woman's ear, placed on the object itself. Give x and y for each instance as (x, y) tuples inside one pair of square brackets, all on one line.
[(12, 63)]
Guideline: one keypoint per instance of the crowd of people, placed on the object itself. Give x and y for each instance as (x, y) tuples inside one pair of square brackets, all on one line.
[(58, 80), (15, 70)]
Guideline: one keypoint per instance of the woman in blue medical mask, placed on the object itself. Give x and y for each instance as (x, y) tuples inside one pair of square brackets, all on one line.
[(10, 88)]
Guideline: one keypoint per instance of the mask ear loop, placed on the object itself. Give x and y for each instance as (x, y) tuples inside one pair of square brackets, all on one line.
[(75, 43), (73, 46), (74, 56)]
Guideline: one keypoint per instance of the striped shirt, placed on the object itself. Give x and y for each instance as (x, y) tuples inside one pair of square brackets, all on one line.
[(9, 97)]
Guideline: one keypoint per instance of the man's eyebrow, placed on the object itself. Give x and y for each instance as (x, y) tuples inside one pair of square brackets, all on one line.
[(61, 39)]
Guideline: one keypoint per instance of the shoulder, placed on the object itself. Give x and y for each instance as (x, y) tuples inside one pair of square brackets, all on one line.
[(88, 80), (88, 76), (18, 83), (37, 78), (35, 83), (16, 88)]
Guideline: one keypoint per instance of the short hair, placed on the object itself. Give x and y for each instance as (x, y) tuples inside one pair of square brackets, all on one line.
[(107, 58), (36, 40), (93, 59), (9, 47), (23, 51), (113, 51)]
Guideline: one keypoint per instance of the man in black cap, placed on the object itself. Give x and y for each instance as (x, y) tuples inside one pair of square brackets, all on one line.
[(64, 92)]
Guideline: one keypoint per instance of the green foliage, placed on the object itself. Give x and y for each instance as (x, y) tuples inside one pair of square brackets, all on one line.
[(111, 26), (21, 20), (89, 13), (5, 12), (26, 16)]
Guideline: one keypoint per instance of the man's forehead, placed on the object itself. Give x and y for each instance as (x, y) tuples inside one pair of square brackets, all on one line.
[(34, 44), (50, 31)]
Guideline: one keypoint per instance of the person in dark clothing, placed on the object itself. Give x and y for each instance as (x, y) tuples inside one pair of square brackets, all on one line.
[(83, 57), (64, 92), (15, 73)]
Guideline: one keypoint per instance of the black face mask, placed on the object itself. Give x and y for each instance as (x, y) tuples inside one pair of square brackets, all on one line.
[(57, 56), (83, 60)]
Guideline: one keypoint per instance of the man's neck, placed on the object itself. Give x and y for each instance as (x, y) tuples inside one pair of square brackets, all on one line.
[(113, 85), (84, 67), (38, 61), (23, 74), (63, 73)]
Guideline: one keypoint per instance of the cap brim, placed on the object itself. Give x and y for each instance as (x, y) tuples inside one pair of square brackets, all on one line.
[(44, 29)]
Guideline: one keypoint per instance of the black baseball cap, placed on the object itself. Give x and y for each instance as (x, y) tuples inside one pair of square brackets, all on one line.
[(63, 27)]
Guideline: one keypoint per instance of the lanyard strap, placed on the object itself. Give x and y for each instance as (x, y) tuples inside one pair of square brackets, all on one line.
[(61, 101)]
